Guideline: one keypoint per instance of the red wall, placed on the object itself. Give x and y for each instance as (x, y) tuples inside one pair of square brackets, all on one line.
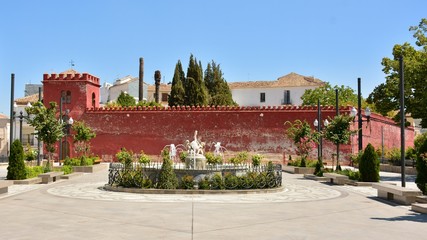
[(237, 128)]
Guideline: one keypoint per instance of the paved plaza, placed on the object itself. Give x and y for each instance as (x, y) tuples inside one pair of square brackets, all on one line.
[(80, 209)]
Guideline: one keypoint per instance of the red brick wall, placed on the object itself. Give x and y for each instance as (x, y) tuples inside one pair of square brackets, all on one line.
[(237, 129)]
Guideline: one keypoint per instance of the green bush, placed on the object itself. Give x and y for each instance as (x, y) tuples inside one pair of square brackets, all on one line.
[(187, 182), (369, 165), (167, 177), (31, 172), (67, 169), (16, 168), (182, 156), (410, 153), (72, 161), (421, 166), (256, 160), (352, 175), (216, 182), (231, 181), (86, 161), (318, 171), (240, 158), (125, 157), (204, 184), (144, 158), (394, 157), (30, 154), (212, 159)]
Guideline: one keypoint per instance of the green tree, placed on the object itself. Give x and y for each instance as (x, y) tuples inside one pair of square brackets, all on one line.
[(326, 95), (16, 168), (421, 166), (386, 96), (303, 137), (194, 86), (83, 135), (126, 100), (177, 95), (218, 89), (167, 178), (49, 130), (369, 165), (338, 132)]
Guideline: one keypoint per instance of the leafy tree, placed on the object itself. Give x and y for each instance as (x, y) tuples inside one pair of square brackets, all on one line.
[(421, 166), (338, 132), (126, 100), (177, 95), (303, 137), (369, 166), (386, 96), (195, 89), (83, 135), (218, 89), (326, 95), (16, 168), (49, 130)]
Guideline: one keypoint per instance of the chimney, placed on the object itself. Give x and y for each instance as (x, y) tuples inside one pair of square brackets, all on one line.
[(157, 78), (141, 79)]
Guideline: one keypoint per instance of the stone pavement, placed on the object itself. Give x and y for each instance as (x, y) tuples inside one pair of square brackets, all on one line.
[(305, 209)]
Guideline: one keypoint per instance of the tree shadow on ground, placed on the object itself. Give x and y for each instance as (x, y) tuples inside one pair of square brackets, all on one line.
[(410, 178), (412, 217)]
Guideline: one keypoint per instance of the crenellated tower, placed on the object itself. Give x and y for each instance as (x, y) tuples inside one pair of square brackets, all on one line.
[(79, 91)]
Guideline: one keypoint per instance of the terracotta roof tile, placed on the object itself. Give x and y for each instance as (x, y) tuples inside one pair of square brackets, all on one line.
[(30, 98), (290, 80)]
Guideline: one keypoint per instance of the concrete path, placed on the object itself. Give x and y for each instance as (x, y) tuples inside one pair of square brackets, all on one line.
[(305, 209)]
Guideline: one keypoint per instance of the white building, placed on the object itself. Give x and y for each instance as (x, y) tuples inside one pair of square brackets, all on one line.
[(286, 90), (128, 84)]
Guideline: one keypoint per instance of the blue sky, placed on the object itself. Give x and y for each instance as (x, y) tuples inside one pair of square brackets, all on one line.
[(334, 40)]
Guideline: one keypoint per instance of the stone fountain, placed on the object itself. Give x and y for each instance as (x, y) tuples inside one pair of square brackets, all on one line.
[(195, 158)]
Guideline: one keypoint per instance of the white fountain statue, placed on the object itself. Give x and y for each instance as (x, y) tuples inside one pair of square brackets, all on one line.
[(195, 158)]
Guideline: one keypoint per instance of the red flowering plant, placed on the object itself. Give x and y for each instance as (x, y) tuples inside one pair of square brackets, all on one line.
[(303, 137)]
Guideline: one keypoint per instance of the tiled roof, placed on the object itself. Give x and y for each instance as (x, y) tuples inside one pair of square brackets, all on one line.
[(2, 116), (30, 98), (290, 80), (163, 87), (69, 71)]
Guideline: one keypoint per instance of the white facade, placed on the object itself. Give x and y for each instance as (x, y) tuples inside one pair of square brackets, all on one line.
[(272, 96), (286, 90), (128, 84)]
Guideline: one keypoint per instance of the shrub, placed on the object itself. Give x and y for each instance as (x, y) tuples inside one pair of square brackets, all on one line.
[(410, 153), (256, 160), (421, 166), (125, 157), (204, 183), (369, 165), (67, 169), (239, 158), (86, 161), (355, 158), (182, 156), (187, 182), (212, 159), (231, 181), (144, 158), (16, 168), (30, 154), (318, 171), (31, 172), (167, 177), (394, 157), (352, 175), (72, 161), (216, 182)]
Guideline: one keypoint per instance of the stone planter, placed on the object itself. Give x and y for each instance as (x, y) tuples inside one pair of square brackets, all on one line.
[(299, 170), (88, 169), (397, 169)]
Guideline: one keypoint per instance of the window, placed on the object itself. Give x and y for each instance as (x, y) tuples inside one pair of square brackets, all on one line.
[(262, 97), (93, 100), (68, 98), (286, 97), (165, 97)]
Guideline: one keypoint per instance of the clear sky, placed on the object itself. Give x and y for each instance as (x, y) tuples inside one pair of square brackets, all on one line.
[(334, 40)]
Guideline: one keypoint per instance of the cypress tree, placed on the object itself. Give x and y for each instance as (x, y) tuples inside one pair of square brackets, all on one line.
[(177, 95), (167, 178), (16, 168), (369, 165), (219, 91), (195, 90), (421, 166)]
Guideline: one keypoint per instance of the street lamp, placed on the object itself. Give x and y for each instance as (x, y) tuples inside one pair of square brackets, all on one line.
[(320, 145), (360, 120), (69, 122)]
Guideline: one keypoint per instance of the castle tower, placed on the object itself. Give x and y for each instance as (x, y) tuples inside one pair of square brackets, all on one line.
[(78, 91), (74, 93)]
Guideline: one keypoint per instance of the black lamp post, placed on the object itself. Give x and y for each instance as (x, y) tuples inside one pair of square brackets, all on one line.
[(353, 113)]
